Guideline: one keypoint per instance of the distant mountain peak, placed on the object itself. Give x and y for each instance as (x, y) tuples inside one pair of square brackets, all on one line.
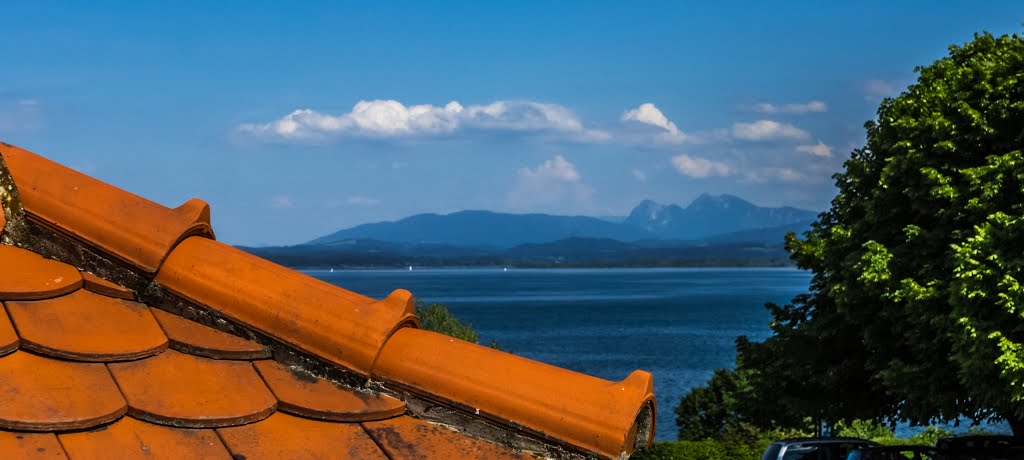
[(647, 209), (723, 201), (710, 214)]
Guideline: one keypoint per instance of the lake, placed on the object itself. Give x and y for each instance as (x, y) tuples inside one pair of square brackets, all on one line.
[(679, 324)]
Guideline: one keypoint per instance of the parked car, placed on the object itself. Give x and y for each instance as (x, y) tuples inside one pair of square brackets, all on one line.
[(897, 453), (981, 447), (814, 448)]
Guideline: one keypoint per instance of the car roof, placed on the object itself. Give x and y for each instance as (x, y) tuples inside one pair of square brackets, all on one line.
[(824, 440), (979, 437)]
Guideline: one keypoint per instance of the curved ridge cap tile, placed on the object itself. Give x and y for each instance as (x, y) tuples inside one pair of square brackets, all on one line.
[(84, 326), (285, 436), (129, 227), (129, 438), (25, 275), (306, 395), (193, 338), (15, 445), (54, 395), (333, 323), (101, 286), (182, 390), (642, 429), (592, 414)]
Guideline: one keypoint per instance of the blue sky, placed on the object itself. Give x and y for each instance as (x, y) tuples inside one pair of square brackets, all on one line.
[(295, 121)]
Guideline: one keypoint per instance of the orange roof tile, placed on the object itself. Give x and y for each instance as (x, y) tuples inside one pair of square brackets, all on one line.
[(25, 275), (300, 310), (303, 394), (17, 445), (9, 339), (129, 439), (103, 287), (190, 391), (408, 438), (591, 413), (84, 326), (284, 436), (194, 338), (358, 365), (56, 395), (129, 227)]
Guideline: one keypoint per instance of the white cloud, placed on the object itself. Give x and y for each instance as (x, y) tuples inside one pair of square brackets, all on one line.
[(876, 89), (648, 114), (353, 201), (639, 175), (281, 202), (819, 149), (553, 185), (557, 168), (767, 130), (803, 175), (361, 201), (389, 118), (651, 115), (22, 115), (699, 168), (809, 107)]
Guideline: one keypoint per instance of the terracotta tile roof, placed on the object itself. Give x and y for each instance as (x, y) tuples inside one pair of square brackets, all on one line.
[(127, 331), (126, 226)]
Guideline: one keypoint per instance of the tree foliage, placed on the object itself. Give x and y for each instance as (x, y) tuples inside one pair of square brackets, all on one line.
[(716, 410), (916, 309), (436, 317), (918, 257)]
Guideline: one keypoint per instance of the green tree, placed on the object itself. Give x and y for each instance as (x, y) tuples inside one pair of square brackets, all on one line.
[(436, 317), (715, 410), (915, 310)]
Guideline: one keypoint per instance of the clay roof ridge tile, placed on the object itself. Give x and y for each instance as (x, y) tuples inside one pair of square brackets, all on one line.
[(130, 228), (316, 317), (401, 300), (593, 414)]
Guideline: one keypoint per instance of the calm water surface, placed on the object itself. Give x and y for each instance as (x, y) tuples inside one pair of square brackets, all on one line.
[(680, 324)]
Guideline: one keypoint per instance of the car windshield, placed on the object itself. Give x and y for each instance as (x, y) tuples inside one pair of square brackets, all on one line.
[(843, 450), (772, 452), (801, 452), (814, 451)]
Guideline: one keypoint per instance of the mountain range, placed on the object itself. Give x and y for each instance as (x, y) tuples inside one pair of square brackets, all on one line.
[(721, 230), (710, 215), (707, 217)]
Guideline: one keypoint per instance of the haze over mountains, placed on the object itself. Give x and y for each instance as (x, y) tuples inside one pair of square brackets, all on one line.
[(721, 230), (706, 217)]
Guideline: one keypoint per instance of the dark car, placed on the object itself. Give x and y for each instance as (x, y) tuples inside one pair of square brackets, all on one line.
[(981, 447), (897, 453), (814, 448)]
